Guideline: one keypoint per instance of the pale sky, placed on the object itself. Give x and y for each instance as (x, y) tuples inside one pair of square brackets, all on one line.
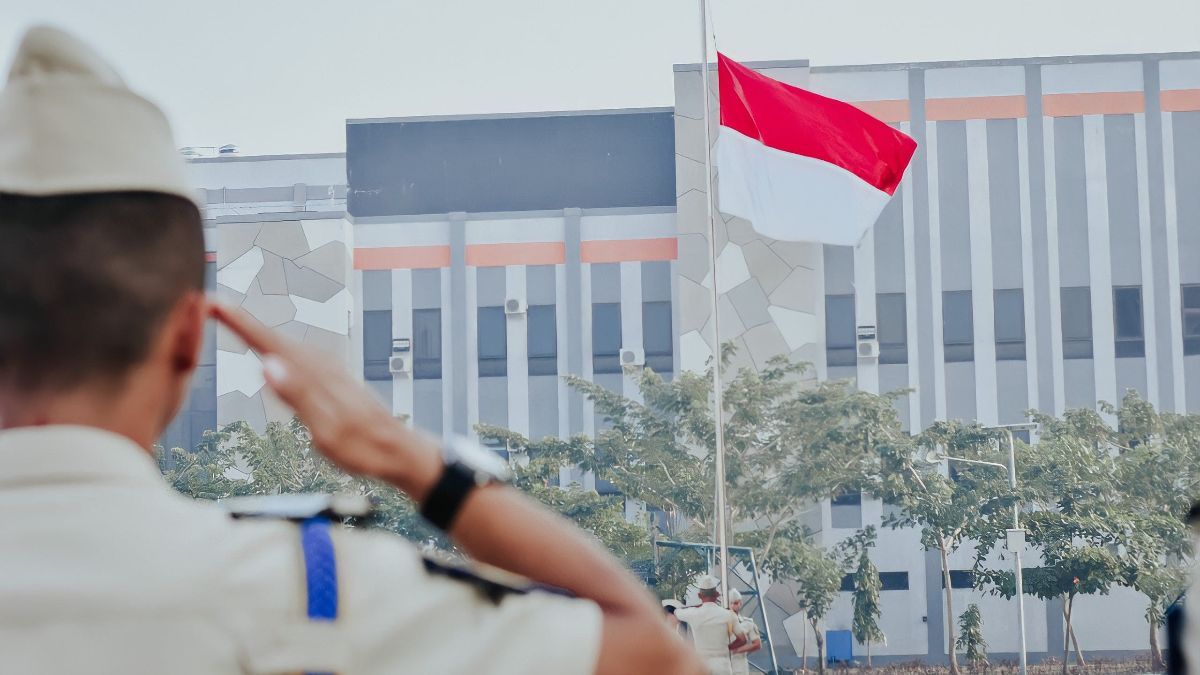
[(282, 76)]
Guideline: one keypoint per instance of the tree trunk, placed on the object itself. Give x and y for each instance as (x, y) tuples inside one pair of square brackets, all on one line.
[(1156, 659), (950, 637), (820, 648), (868, 653), (1075, 641), (1067, 633), (804, 648)]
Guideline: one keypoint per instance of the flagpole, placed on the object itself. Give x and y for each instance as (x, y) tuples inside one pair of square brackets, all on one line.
[(718, 395)]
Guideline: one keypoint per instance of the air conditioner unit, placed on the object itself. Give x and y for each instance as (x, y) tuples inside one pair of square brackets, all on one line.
[(514, 306), (400, 365), (633, 357), (868, 343)]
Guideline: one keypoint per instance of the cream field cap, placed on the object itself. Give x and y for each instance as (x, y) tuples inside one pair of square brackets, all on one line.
[(69, 125)]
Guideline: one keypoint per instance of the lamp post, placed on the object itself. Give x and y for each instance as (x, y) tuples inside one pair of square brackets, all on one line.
[(1016, 536)]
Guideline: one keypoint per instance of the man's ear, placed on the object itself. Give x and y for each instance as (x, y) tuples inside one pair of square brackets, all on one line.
[(185, 331)]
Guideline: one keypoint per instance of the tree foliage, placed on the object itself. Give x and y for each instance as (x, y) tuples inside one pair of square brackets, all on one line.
[(970, 639), (865, 596)]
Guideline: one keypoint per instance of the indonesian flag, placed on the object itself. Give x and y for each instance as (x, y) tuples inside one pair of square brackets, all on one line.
[(800, 166)]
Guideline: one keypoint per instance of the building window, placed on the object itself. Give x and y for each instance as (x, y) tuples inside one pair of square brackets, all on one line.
[(427, 344), (492, 331), (958, 330), (840, 338), (606, 337), (892, 316), (846, 510), (890, 581), (1191, 319), (1076, 311), (543, 340), (377, 344), (960, 579), (1127, 321), (656, 336), (1009, 307)]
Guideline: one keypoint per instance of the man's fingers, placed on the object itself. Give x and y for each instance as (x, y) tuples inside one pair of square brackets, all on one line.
[(257, 336)]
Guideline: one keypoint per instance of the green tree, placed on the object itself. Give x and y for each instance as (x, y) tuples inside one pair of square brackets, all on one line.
[(817, 574), (867, 586), (966, 502), (1158, 469), (970, 639)]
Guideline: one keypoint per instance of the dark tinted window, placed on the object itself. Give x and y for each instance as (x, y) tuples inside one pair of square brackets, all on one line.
[(892, 319), (377, 344), (1127, 321), (1191, 319), (1077, 322), (492, 330), (960, 579), (1009, 309), (543, 340), (958, 330), (656, 336), (840, 338), (606, 337), (847, 499), (427, 344), (891, 581)]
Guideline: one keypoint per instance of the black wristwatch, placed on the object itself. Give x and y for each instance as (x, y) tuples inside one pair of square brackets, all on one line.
[(467, 467)]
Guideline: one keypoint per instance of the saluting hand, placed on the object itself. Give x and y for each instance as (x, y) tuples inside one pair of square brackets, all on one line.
[(347, 424)]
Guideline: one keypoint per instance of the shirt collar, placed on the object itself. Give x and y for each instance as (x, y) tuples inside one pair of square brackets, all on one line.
[(72, 454)]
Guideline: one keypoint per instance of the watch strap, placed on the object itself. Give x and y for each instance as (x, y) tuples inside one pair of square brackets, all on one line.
[(446, 498)]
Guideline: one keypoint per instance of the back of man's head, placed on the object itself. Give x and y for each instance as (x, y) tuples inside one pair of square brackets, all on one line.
[(100, 236), (88, 279)]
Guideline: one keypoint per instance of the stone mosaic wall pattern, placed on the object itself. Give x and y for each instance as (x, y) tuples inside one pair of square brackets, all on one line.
[(769, 290), (294, 276)]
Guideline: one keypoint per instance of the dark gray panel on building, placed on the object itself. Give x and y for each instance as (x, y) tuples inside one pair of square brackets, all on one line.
[(493, 401), (427, 405), (656, 281), (541, 286), (1011, 399), (606, 282), (1004, 193), (398, 167), (543, 406), (1187, 196), (1131, 374), (1120, 153), (1079, 383), (489, 289), (960, 391), (1071, 184), (954, 216), (377, 290), (889, 247), (839, 270), (427, 289)]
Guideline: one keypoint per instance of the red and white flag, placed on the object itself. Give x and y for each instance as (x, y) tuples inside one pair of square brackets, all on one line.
[(800, 166)]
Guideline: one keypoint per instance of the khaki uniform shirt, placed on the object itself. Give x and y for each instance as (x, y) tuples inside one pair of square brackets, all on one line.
[(709, 625), (105, 569)]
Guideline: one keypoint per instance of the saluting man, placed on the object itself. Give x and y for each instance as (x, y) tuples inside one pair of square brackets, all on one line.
[(747, 629), (105, 569), (713, 627)]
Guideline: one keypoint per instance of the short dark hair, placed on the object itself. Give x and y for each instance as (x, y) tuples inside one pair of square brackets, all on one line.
[(87, 280)]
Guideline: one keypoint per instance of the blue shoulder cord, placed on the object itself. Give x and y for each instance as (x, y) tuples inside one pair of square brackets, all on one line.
[(320, 571)]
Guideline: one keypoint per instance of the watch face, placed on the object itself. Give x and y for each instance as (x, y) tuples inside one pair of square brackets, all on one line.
[(478, 458)]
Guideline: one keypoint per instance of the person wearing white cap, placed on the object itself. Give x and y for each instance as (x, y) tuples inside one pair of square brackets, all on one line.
[(107, 570), (713, 627), (747, 629)]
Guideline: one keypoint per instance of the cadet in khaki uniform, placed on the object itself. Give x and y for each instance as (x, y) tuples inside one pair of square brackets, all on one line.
[(747, 629), (104, 569), (713, 627)]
